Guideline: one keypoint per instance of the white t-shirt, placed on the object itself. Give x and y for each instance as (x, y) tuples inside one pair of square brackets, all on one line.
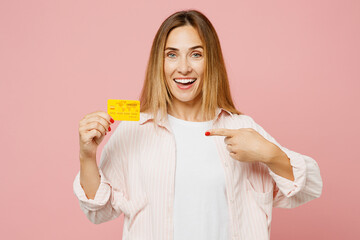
[(200, 205)]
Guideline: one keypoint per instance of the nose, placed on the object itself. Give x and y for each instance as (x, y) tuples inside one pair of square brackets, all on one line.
[(184, 66)]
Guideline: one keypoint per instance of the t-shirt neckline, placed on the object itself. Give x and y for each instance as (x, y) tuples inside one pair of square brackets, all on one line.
[(185, 122)]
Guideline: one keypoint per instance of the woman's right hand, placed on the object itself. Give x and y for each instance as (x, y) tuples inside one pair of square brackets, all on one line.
[(92, 130)]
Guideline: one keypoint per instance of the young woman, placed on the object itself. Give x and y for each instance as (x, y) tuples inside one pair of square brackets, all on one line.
[(193, 167)]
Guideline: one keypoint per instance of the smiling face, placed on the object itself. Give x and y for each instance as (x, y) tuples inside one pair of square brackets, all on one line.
[(183, 63)]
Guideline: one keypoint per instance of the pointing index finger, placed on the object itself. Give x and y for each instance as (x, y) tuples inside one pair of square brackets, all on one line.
[(221, 132)]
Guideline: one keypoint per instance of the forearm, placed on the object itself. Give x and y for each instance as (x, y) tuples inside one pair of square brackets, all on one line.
[(279, 163), (89, 176)]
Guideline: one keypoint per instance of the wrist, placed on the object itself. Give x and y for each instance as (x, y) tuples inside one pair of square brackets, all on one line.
[(85, 158), (275, 155)]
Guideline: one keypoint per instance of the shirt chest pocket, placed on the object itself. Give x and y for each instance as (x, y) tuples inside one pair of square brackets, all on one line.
[(134, 209), (264, 200)]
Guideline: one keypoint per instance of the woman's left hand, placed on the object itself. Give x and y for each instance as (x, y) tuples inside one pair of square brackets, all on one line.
[(247, 145)]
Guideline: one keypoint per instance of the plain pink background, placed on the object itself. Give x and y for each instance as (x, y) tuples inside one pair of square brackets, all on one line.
[(293, 66)]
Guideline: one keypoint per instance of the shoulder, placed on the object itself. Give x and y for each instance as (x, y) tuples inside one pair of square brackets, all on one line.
[(127, 127), (242, 117), (240, 121), (124, 130)]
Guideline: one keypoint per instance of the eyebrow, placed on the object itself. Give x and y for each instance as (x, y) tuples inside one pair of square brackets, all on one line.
[(175, 49)]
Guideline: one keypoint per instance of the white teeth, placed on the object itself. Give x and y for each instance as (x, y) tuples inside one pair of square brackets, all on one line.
[(187, 80)]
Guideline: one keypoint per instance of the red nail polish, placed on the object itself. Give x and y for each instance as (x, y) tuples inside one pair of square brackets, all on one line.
[(109, 128), (111, 120), (207, 133)]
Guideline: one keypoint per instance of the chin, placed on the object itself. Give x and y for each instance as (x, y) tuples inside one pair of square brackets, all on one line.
[(185, 99)]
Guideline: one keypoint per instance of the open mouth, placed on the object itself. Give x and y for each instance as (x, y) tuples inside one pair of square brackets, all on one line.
[(185, 81)]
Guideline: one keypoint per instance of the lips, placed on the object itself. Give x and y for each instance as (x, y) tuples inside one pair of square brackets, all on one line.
[(185, 81)]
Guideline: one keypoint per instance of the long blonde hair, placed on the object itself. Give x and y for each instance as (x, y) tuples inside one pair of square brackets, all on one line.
[(156, 95)]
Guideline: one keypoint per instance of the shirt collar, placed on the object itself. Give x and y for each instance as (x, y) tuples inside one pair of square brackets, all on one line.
[(146, 117)]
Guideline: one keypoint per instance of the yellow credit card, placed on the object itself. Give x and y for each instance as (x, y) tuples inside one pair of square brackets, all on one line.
[(124, 110)]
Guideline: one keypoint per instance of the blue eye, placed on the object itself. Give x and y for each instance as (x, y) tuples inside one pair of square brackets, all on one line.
[(170, 54)]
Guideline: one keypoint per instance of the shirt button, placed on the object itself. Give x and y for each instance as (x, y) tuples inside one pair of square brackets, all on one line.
[(226, 164)]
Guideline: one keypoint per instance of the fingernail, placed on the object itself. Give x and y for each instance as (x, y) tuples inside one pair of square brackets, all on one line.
[(207, 133), (109, 128), (111, 120)]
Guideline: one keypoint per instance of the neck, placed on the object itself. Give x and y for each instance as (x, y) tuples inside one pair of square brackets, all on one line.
[(188, 111)]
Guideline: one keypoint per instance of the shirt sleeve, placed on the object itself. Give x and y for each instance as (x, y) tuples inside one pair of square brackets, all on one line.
[(102, 195), (111, 198), (307, 184)]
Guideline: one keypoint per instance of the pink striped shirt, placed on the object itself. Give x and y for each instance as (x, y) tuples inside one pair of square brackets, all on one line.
[(137, 169)]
